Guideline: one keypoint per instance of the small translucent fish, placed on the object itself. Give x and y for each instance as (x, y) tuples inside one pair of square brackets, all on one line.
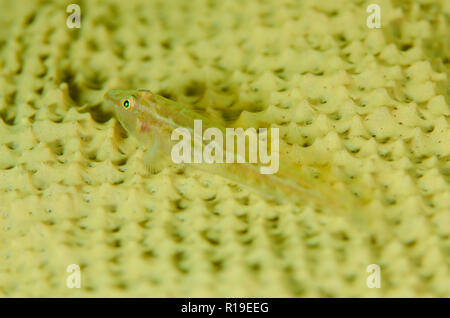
[(151, 119)]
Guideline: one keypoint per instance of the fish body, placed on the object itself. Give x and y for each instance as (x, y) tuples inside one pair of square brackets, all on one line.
[(152, 118)]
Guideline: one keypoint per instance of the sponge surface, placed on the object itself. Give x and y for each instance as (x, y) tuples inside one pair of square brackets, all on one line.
[(364, 111)]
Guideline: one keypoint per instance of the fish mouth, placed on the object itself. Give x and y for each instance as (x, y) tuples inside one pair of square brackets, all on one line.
[(114, 97), (108, 99), (113, 94)]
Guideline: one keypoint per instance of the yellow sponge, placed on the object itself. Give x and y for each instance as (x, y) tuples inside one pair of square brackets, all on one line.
[(364, 111)]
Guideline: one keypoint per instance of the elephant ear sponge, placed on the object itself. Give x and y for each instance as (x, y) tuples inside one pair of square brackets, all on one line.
[(363, 112)]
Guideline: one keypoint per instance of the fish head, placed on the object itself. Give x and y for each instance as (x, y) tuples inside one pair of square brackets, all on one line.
[(129, 106)]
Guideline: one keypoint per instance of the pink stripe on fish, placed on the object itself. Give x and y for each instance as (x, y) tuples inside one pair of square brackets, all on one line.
[(145, 126)]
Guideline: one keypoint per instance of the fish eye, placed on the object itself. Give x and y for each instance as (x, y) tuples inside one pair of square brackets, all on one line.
[(128, 102)]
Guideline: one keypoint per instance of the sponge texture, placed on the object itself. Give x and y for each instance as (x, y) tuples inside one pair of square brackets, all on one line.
[(364, 111)]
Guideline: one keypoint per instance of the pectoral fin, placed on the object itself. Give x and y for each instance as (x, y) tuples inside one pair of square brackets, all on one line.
[(155, 159)]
